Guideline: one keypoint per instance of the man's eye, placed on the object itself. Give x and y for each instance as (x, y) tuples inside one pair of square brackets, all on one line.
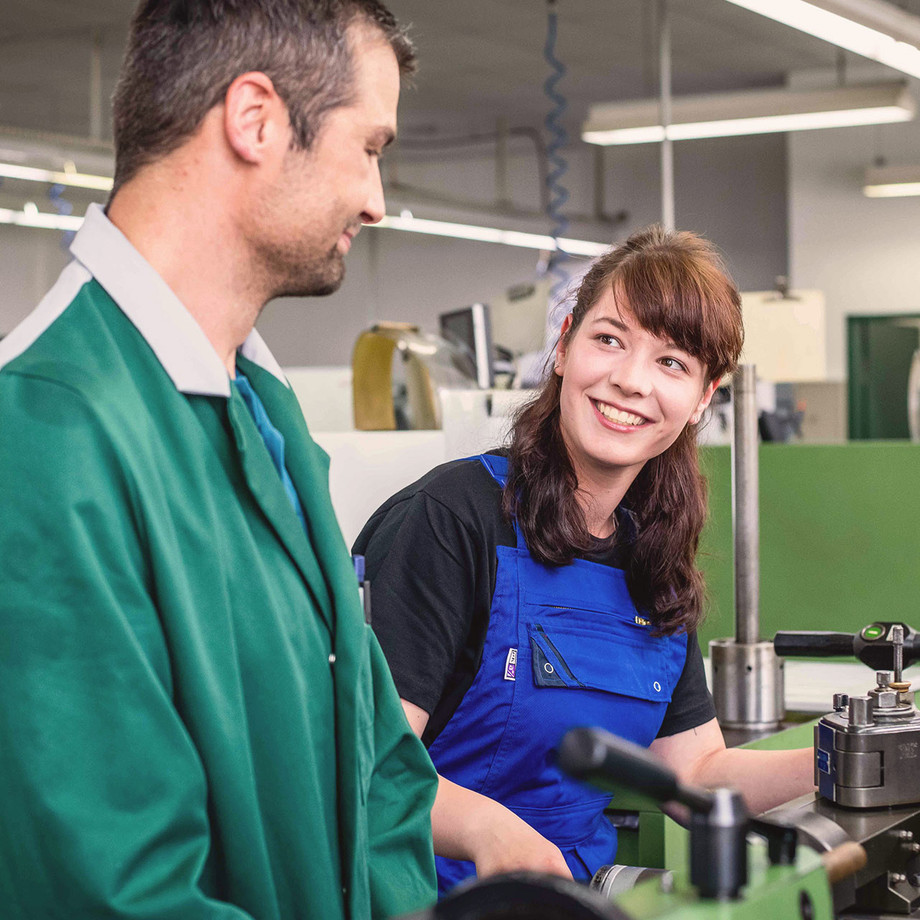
[(674, 364)]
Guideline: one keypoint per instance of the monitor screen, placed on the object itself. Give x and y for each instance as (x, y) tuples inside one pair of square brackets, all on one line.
[(469, 329)]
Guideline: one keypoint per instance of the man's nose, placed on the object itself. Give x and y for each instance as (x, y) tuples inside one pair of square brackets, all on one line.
[(375, 207)]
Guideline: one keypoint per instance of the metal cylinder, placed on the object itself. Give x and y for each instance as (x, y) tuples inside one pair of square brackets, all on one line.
[(615, 879), (718, 847), (747, 684), (746, 505), (860, 711)]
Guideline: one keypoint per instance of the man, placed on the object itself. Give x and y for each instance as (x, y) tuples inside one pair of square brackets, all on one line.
[(195, 721)]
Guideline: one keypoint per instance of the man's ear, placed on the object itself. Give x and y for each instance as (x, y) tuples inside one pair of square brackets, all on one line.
[(255, 117), (559, 366)]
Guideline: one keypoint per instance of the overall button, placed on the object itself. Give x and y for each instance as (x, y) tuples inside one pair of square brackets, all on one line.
[(548, 668), (332, 658), (657, 687)]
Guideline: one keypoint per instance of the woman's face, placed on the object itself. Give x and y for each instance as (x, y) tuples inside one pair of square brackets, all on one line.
[(626, 394)]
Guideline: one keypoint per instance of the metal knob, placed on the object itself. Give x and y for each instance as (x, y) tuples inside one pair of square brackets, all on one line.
[(882, 678), (841, 701), (860, 710)]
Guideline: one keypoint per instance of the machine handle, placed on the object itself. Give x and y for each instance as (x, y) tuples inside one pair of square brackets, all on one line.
[(602, 759), (844, 861), (873, 645), (795, 644)]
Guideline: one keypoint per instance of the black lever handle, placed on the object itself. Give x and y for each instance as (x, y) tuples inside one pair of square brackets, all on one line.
[(794, 644), (602, 759), (872, 645)]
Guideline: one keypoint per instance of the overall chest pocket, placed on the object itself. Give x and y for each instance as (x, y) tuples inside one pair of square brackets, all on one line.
[(587, 656)]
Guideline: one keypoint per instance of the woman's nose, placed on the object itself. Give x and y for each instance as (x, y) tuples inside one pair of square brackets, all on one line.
[(631, 375)]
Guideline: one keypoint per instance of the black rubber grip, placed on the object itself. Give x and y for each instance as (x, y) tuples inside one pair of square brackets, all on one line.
[(813, 644), (604, 760)]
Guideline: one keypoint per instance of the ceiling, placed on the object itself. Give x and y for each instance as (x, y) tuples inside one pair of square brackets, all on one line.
[(480, 60)]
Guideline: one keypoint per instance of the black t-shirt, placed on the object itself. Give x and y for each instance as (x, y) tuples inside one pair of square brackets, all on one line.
[(431, 561)]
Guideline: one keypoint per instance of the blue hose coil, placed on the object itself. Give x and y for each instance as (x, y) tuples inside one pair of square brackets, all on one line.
[(558, 194)]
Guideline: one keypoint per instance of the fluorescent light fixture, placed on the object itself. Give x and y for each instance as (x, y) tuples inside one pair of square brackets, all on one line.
[(30, 216), (56, 177), (892, 181), (754, 112), (490, 235), (870, 28)]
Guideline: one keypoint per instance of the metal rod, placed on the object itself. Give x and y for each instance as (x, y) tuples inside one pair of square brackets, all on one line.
[(897, 638), (600, 190), (745, 499), (667, 151), (95, 87), (501, 164)]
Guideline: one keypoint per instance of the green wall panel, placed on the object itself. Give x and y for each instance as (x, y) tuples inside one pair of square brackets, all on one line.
[(839, 537)]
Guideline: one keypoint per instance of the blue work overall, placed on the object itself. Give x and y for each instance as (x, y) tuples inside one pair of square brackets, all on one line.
[(565, 647)]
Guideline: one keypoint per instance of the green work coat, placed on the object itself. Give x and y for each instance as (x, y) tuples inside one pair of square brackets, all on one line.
[(195, 721)]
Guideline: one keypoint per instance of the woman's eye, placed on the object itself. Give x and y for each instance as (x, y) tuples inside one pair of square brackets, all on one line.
[(606, 339)]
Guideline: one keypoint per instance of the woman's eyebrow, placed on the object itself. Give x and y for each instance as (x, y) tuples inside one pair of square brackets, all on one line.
[(616, 323)]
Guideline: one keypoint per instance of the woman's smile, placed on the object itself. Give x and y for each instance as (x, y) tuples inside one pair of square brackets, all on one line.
[(617, 417)]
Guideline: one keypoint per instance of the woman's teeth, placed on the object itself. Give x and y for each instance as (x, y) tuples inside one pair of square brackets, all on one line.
[(615, 415)]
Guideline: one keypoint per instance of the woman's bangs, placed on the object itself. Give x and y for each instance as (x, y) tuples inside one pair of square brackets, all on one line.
[(680, 304)]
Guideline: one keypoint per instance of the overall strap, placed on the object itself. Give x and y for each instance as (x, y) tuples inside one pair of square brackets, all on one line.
[(497, 467)]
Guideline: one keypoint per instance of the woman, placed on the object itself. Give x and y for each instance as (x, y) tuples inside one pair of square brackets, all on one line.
[(522, 593)]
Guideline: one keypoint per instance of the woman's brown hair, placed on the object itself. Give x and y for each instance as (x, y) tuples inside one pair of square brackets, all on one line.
[(677, 288)]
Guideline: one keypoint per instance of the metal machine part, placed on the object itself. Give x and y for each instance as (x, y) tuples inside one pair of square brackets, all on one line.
[(747, 684), (615, 879), (867, 769), (747, 676), (867, 751), (888, 884)]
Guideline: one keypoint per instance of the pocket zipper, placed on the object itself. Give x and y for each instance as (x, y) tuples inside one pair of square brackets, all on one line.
[(637, 619), (561, 660)]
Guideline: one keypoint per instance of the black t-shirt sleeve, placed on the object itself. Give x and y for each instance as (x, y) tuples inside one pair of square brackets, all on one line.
[(421, 564), (691, 702)]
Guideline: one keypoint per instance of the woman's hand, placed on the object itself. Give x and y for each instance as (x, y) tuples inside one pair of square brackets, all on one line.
[(497, 840), (467, 825)]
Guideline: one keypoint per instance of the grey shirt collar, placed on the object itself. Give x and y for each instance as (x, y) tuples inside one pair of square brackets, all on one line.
[(145, 298)]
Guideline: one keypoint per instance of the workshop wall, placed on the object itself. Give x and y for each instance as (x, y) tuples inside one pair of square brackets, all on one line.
[(864, 253), (839, 537)]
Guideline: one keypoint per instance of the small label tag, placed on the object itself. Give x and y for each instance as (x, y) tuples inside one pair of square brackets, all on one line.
[(511, 664), (641, 621)]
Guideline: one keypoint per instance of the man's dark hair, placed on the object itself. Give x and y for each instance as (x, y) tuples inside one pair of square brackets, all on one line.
[(183, 55)]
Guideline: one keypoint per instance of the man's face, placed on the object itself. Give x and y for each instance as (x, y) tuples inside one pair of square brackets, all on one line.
[(317, 203)]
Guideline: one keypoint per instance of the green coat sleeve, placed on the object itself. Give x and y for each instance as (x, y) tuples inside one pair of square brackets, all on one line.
[(104, 804), (402, 790)]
